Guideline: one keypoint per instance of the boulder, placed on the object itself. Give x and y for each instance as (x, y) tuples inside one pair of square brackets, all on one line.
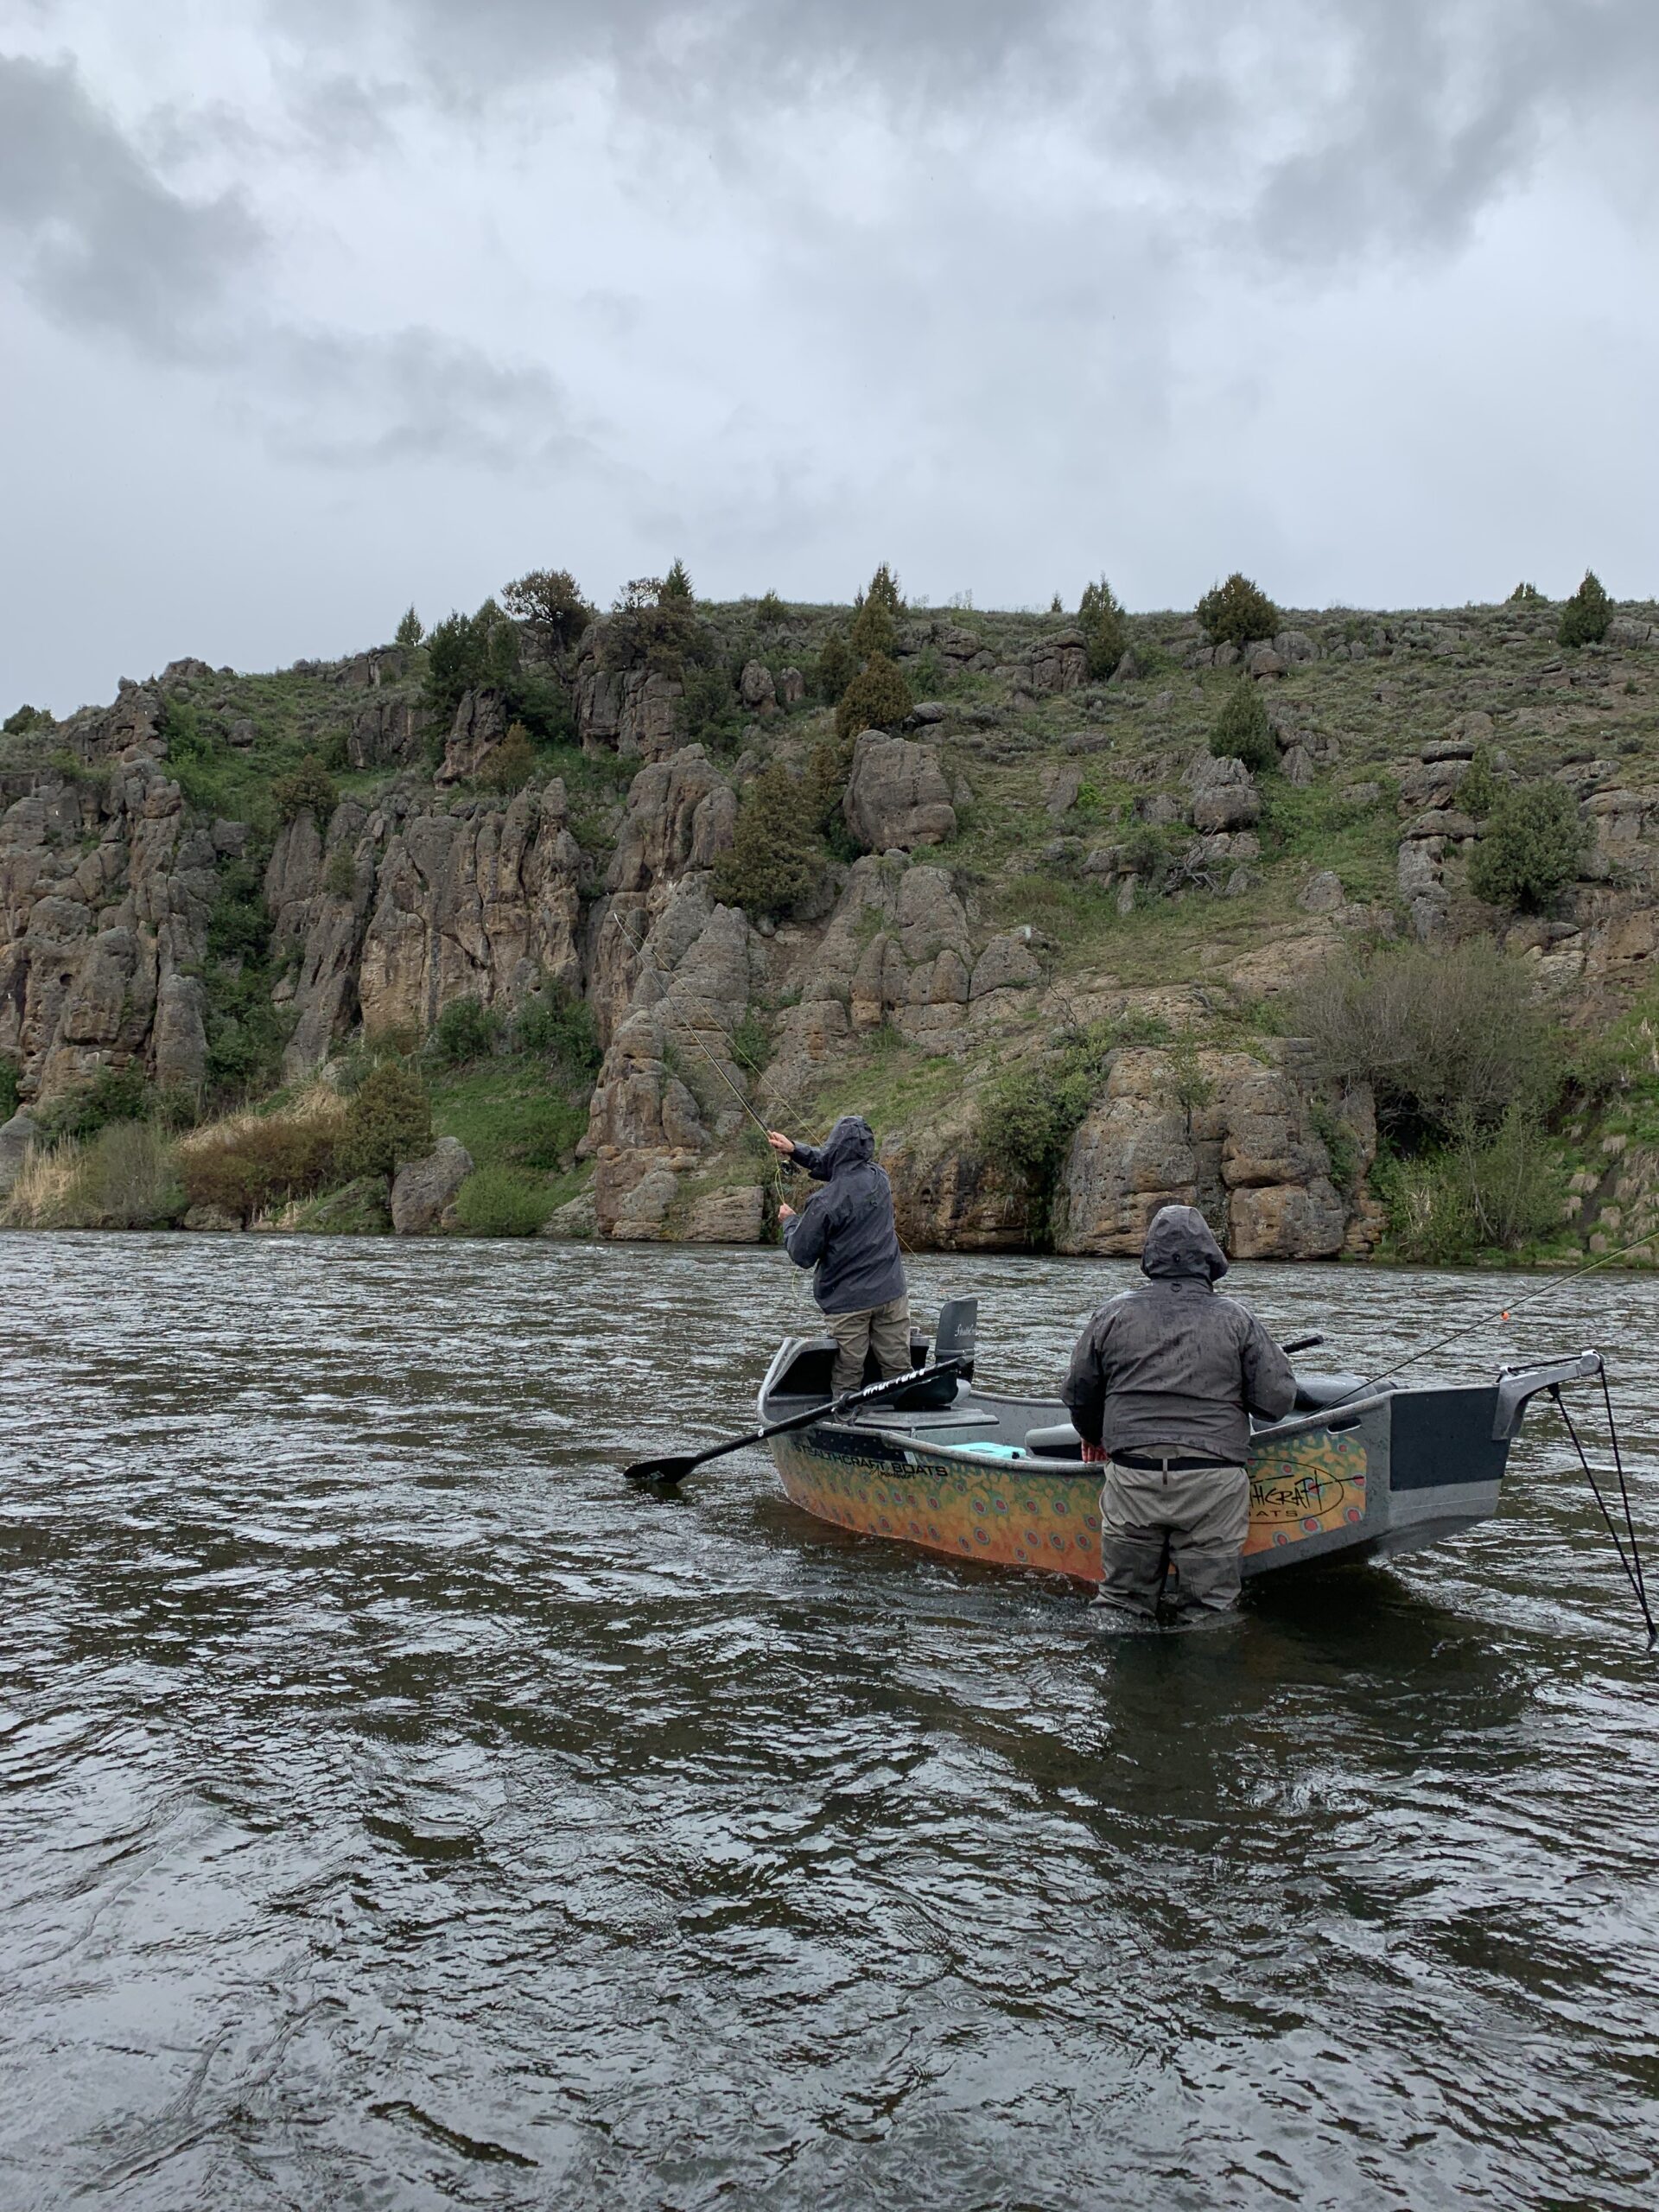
[(897, 797), (1322, 894), (1007, 963), (218, 1220), (17, 1136), (1298, 765), (1630, 630), (577, 1218), (731, 1217), (424, 1189), (756, 689), (794, 687), (1261, 659), (1233, 805)]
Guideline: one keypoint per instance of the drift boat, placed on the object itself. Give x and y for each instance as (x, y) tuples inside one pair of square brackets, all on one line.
[(1356, 1471)]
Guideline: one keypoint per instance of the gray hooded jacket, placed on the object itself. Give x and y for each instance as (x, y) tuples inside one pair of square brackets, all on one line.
[(846, 1231), (1175, 1367)]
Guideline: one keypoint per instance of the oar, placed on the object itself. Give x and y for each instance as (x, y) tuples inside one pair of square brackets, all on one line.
[(663, 1474)]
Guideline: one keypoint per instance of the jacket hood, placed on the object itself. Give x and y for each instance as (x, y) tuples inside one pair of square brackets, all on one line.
[(849, 1144), (1179, 1244)]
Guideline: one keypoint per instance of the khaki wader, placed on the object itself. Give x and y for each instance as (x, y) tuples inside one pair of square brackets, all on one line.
[(1195, 1517), (883, 1329)]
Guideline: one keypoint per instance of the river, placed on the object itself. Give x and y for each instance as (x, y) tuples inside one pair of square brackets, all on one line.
[(400, 1812)]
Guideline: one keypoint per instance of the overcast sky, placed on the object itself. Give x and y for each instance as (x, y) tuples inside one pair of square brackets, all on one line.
[(313, 307)]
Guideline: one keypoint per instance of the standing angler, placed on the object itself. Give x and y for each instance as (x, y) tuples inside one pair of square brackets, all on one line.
[(1161, 1386), (845, 1231)]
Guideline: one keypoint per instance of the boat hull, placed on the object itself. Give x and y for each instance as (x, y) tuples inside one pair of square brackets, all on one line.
[(1318, 1493)]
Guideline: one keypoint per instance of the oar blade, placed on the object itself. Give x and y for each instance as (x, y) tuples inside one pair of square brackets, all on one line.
[(660, 1474)]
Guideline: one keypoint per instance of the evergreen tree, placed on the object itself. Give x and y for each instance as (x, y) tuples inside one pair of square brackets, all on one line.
[(1243, 731), (835, 668), (676, 584), (775, 859), (1533, 847), (877, 698), (1587, 615), (1238, 612), (410, 630), (1100, 618)]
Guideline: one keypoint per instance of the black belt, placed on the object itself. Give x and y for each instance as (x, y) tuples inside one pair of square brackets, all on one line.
[(1159, 1464)]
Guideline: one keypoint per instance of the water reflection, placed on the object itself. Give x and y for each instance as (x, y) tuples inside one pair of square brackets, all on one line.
[(400, 1811)]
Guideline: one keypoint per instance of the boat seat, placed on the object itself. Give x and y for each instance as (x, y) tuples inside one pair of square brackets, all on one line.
[(1315, 1392), (1060, 1441)]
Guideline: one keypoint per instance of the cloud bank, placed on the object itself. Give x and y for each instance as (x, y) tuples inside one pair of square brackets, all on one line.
[(406, 296)]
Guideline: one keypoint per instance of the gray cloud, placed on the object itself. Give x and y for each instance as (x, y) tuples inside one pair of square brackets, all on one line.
[(102, 243), (104, 246), (1307, 129)]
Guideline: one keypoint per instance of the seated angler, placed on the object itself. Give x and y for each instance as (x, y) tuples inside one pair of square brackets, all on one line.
[(1161, 1387), (845, 1233)]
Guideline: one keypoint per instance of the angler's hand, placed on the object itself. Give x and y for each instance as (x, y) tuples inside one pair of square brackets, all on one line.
[(779, 1143), (785, 1213), (1095, 1454)]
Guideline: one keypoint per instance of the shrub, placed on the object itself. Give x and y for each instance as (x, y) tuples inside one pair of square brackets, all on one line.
[(48, 1192), (656, 629), (25, 718), (877, 698), (500, 1202), (1238, 612), (1504, 1190), (510, 766), (1526, 596), (833, 671), (466, 1030), (10, 1086), (711, 701), (247, 1167), (473, 653), (388, 1122), (1027, 1116), (1477, 794), (775, 861), (1243, 731), (676, 584), (339, 873), (551, 601), (112, 1095), (1447, 1042), (238, 921), (129, 1178), (309, 786), (1532, 849), (1587, 615), (873, 631), (1101, 620), (553, 1021), (769, 610)]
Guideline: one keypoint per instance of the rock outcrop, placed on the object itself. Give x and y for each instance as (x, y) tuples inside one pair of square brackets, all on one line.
[(424, 1190), (1237, 1137), (897, 797)]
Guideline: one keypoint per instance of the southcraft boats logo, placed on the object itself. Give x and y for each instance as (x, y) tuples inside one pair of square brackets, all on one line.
[(1308, 1488)]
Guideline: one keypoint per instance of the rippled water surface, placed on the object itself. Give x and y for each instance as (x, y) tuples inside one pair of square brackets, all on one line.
[(401, 1811)]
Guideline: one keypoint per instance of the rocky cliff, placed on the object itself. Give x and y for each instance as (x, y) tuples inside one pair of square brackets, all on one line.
[(1030, 856)]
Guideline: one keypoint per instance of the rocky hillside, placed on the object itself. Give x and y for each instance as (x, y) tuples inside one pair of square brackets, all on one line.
[(223, 884)]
